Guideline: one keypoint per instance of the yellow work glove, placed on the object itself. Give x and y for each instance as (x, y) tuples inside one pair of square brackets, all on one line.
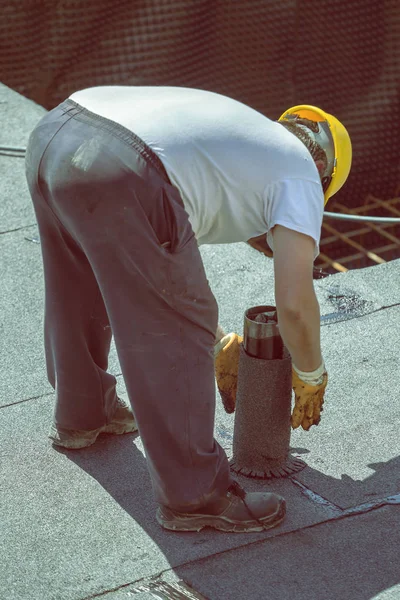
[(226, 362), (309, 390)]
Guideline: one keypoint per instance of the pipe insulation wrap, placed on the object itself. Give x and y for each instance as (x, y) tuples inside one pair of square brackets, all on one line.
[(262, 418)]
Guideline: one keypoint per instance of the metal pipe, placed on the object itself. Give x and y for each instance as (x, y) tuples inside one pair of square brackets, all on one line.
[(13, 151), (261, 337), (13, 148), (364, 218)]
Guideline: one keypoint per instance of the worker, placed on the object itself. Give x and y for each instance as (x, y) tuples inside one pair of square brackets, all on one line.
[(127, 183)]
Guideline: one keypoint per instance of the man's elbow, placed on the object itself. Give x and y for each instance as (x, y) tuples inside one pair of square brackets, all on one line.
[(290, 312), (296, 306)]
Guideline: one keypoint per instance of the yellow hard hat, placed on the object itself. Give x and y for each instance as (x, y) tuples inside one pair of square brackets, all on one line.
[(333, 137)]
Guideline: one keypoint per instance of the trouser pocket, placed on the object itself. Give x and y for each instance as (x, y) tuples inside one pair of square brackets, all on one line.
[(167, 216), (177, 220)]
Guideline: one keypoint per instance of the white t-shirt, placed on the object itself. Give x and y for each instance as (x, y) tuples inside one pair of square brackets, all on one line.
[(239, 173)]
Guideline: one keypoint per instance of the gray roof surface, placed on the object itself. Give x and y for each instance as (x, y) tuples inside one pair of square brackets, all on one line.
[(76, 525)]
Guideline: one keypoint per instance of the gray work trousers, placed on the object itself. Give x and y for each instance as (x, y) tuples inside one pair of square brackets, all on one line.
[(120, 258)]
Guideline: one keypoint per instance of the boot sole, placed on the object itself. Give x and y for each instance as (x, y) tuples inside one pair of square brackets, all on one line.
[(111, 429), (199, 522)]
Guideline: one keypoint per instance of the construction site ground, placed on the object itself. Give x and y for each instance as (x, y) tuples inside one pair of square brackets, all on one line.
[(81, 524)]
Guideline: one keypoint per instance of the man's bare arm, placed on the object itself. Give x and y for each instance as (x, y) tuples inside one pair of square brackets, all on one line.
[(296, 302)]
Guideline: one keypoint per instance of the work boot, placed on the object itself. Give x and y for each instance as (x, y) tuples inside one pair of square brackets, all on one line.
[(122, 421), (235, 512)]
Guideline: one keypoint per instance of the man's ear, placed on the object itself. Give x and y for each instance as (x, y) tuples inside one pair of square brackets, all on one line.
[(320, 166)]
